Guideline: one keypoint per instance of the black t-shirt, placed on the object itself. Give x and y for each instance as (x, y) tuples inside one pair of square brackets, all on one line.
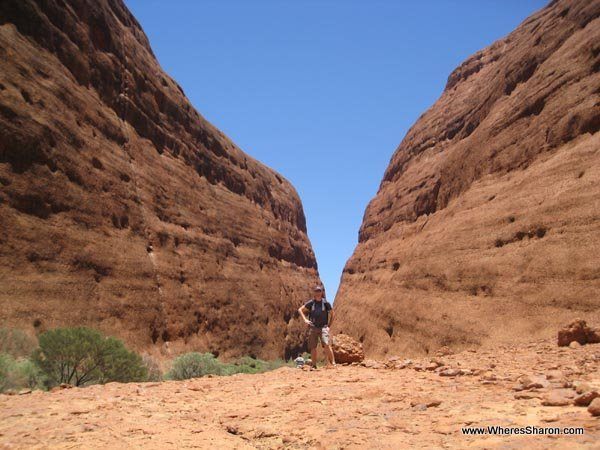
[(318, 312)]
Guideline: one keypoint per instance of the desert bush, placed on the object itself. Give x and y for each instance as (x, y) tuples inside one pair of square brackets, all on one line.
[(153, 368), (19, 374), (248, 364), (82, 356), (16, 343), (194, 365)]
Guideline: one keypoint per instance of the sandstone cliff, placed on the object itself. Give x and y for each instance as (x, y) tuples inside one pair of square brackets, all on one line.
[(121, 208), (486, 226)]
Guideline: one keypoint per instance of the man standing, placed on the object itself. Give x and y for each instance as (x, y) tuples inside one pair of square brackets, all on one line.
[(320, 316)]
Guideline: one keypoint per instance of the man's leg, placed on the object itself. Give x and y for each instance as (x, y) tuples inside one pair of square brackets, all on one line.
[(329, 354), (313, 356), (312, 345), (326, 346)]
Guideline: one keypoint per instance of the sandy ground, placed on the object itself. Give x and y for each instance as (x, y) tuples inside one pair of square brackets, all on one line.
[(343, 407)]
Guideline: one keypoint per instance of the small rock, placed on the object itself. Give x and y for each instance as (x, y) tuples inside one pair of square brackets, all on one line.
[(581, 387), (550, 419), (574, 344), (443, 351), (24, 391), (534, 382), (450, 373), (372, 364), (594, 408), (420, 407), (526, 395), (428, 402), (586, 398), (556, 399), (399, 365), (555, 375), (489, 376)]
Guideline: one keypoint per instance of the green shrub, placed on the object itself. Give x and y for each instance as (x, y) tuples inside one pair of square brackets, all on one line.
[(16, 343), (19, 374), (81, 356), (252, 365), (193, 365), (7, 368)]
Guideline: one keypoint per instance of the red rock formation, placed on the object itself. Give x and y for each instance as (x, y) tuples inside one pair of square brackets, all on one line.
[(346, 350), (578, 331), (122, 208), (486, 226)]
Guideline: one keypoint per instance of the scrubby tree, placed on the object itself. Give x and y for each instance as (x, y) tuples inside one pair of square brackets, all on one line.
[(194, 365), (16, 343), (19, 374), (81, 356)]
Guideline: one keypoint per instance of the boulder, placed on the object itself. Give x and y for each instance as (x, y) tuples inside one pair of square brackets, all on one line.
[(578, 332), (557, 398), (347, 350), (594, 408), (534, 382), (586, 398)]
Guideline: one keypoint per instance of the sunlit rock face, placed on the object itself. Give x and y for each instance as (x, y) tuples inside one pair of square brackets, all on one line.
[(486, 226), (123, 209)]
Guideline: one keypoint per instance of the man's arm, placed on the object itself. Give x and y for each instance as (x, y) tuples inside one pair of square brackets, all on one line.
[(301, 311), (330, 321)]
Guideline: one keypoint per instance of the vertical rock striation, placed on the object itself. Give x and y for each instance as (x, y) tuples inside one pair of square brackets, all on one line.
[(123, 209), (486, 226)]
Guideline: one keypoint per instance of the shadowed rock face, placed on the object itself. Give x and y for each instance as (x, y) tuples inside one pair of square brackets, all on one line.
[(123, 209), (486, 226)]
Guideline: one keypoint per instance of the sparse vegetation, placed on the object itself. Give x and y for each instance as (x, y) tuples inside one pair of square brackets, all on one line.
[(81, 356), (153, 368), (16, 374), (194, 365), (16, 343), (252, 365)]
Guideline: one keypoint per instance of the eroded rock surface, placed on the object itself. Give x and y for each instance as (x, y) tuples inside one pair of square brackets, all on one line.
[(486, 226), (346, 350), (122, 208)]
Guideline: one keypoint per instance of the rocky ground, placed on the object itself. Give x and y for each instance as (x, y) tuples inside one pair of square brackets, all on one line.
[(381, 404)]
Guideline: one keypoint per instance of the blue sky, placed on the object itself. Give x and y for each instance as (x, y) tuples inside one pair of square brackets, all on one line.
[(321, 91)]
